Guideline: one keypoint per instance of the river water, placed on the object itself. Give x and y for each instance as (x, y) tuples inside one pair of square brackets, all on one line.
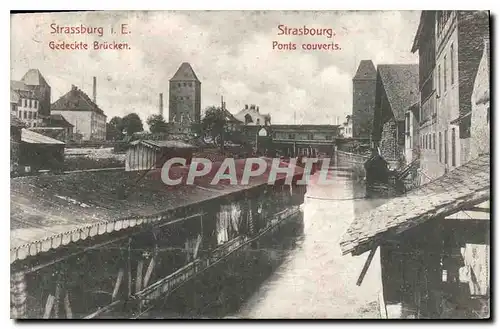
[(295, 272)]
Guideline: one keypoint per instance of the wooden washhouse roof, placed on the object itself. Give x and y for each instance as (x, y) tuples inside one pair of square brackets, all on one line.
[(50, 211), (465, 186), (158, 144)]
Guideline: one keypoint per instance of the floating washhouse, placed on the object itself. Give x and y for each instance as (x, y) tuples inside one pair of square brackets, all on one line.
[(150, 154), (110, 244), (434, 246)]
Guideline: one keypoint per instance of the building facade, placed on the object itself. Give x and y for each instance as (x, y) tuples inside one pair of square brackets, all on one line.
[(412, 142), (363, 103), (345, 129), (25, 105), (304, 140), (450, 46), (251, 116), (184, 97), (78, 109), (480, 100), (35, 84)]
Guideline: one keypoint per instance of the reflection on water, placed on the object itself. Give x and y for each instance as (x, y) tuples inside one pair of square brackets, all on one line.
[(296, 271), (222, 290)]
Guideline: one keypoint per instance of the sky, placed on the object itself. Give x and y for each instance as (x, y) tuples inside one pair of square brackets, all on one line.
[(231, 52)]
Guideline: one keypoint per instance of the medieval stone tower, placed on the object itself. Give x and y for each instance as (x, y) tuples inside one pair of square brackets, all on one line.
[(363, 102), (184, 97)]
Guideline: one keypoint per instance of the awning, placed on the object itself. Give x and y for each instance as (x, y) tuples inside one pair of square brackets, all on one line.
[(465, 186)]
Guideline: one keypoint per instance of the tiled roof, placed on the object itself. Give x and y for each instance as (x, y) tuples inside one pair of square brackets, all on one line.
[(185, 73), (467, 185), (58, 120), (32, 137), (16, 122), (14, 96), (400, 82), (366, 71), (18, 85), (50, 211), (75, 100)]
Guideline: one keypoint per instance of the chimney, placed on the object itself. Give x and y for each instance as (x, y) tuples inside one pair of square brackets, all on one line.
[(257, 108), (246, 106), (94, 86), (161, 104)]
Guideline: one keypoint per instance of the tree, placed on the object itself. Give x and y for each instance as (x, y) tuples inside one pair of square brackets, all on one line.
[(114, 129), (131, 124), (213, 124), (157, 124)]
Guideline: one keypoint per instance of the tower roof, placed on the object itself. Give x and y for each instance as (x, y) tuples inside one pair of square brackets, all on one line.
[(34, 78), (366, 71), (185, 73)]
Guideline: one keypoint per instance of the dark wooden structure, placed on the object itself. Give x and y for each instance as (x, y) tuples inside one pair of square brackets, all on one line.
[(122, 241), (434, 246), (39, 152)]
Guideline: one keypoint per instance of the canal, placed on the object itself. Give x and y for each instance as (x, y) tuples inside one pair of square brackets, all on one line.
[(295, 271)]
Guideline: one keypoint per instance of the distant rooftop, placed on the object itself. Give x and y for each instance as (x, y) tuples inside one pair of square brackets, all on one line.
[(76, 100)]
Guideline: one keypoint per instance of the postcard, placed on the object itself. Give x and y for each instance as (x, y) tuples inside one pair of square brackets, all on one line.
[(250, 165)]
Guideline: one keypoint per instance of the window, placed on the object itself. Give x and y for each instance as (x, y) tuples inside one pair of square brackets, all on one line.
[(444, 73), (440, 147), (187, 97), (439, 80), (30, 103), (30, 115), (34, 115), (185, 84), (452, 66), (19, 114), (434, 141), (258, 121), (25, 103), (453, 148), (179, 85), (291, 136), (446, 147), (34, 124), (190, 84), (35, 105), (310, 136), (25, 115)]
